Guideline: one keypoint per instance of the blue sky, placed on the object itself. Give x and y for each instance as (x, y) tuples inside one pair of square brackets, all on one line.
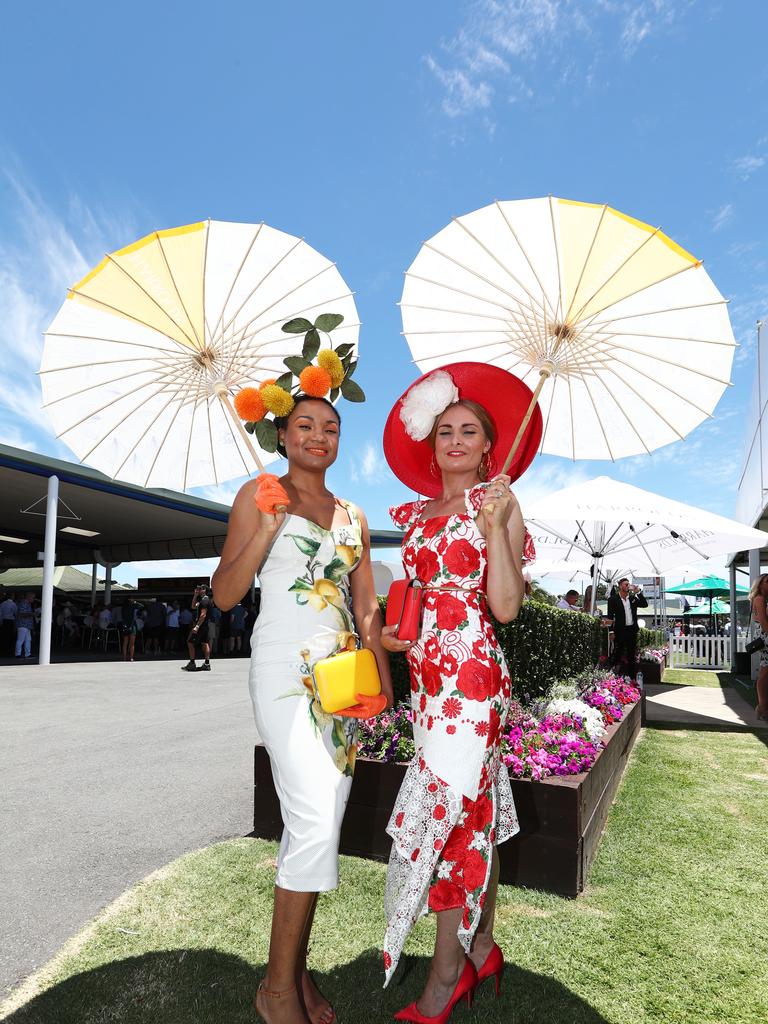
[(365, 128)]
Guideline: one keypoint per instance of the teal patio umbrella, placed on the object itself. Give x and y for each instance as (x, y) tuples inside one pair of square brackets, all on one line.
[(719, 607), (707, 586)]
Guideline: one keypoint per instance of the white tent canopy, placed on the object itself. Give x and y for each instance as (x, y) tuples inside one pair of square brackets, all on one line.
[(607, 520)]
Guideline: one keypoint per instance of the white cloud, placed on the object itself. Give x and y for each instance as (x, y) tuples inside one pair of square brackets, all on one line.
[(40, 257), (722, 216), (462, 93), (745, 166), (369, 466), (494, 51)]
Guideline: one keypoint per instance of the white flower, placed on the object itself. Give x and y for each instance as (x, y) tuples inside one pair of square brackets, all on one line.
[(591, 717), (444, 868), (562, 691), (479, 842), (424, 403)]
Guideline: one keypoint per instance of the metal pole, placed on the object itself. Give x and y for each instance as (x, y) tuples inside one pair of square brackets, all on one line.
[(94, 583), (734, 631), (108, 586), (49, 564)]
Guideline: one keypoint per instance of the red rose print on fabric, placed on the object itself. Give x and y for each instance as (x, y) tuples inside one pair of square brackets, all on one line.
[(477, 680), (450, 612), (433, 526), (445, 895), (475, 870), (432, 649), (494, 727), (431, 678), (461, 558), (449, 665), (427, 565)]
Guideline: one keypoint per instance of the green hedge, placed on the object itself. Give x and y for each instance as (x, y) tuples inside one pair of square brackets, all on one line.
[(650, 638), (542, 646)]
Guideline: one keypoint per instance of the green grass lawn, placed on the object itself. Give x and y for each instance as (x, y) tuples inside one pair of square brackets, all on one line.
[(698, 677), (670, 930)]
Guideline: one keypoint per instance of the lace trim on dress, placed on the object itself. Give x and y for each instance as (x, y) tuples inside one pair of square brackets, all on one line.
[(425, 814)]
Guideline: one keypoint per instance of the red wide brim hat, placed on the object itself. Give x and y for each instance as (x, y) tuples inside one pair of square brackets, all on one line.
[(506, 399)]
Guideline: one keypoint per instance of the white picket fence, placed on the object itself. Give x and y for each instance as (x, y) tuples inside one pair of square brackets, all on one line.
[(703, 651)]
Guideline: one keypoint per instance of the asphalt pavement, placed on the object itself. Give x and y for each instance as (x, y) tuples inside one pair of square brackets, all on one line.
[(109, 771)]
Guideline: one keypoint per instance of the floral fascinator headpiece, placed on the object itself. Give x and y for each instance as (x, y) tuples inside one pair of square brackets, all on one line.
[(425, 402), (317, 372)]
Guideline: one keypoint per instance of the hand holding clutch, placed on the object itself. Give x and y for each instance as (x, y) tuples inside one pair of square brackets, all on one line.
[(368, 706)]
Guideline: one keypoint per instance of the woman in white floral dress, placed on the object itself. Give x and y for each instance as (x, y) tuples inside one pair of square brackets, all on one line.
[(314, 570)]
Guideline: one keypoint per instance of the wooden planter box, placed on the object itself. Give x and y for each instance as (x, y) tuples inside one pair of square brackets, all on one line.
[(653, 672), (561, 819)]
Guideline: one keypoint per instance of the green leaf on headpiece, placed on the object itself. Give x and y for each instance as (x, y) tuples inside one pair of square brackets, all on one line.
[(311, 345), (344, 350), (350, 368), (285, 381), (352, 391), (296, 364), (297, 326), (334, 394), (328, 321), (250, 426), (266, 435)]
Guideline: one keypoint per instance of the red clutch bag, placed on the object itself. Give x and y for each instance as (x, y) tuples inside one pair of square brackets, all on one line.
[(404, 608)]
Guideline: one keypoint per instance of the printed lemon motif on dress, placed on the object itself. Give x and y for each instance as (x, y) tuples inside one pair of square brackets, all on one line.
[(324, 585)]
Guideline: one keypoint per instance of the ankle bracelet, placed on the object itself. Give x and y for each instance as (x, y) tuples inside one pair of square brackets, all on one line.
[(273, 993)]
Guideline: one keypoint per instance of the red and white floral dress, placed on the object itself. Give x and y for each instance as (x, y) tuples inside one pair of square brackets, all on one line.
[(455, 802)]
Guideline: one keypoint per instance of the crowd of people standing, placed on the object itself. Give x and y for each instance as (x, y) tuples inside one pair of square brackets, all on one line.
[(155, 627)]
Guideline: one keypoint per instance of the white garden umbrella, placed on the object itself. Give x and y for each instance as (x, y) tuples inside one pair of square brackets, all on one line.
[(618, 330), (143, 358), (607, 520)]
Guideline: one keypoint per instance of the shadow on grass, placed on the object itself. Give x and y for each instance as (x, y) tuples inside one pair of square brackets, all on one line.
[(204, 986)]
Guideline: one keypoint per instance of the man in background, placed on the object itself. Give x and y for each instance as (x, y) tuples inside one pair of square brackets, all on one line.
[(25, 622), (7, 625), (198, 635), (568, 603), (622, 610)]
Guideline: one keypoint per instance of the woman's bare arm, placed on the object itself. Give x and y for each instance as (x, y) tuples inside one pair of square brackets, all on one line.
[(249, 536), (504, 532), (367, 612), (759, 611)]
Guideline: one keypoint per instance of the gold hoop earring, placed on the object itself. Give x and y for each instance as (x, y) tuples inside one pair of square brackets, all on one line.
[(482, 469), (433, 466)]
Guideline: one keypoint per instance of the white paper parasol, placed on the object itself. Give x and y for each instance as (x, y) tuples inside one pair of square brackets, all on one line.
[(142, 359), (619, 330)]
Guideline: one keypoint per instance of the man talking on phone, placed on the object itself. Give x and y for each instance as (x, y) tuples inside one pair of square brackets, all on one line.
[(622, 609), (198, 635)]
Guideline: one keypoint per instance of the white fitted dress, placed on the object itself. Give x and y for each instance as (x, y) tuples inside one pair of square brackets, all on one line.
[(305, 615)]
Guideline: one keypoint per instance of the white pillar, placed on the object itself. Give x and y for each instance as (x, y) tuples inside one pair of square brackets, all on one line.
[(734, 632), (754, 574), (108, 586), (94, 583), (49, 563)]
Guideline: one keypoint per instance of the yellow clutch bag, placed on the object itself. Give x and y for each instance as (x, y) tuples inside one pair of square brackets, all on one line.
[(343, 679)]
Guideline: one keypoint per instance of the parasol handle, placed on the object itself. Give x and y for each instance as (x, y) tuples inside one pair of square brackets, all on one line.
[(221, 392), (544, 374), (543, 377)]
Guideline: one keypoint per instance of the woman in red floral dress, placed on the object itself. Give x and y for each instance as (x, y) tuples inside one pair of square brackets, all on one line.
[(467, 547)]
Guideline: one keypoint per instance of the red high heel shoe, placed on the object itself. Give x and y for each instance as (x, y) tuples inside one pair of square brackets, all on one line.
[(493, 966), (465, 989)]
